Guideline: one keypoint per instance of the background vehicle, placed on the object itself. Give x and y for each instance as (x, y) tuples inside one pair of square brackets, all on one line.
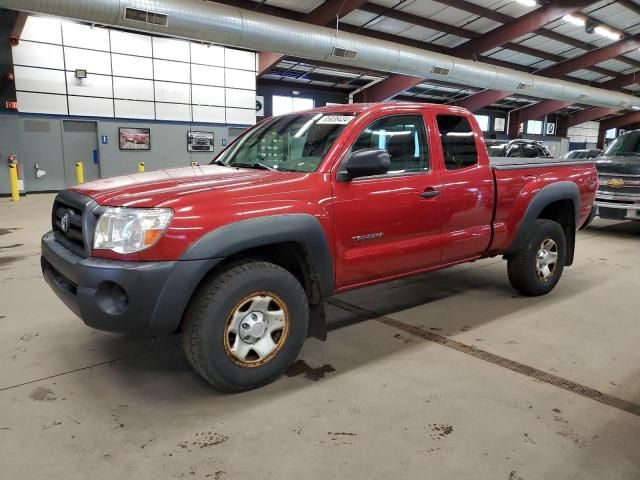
[(576, 154), (520, 148), (239, 255), (618, 196)]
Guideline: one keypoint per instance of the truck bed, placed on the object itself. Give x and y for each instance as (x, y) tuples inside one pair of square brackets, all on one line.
[(511, 163)]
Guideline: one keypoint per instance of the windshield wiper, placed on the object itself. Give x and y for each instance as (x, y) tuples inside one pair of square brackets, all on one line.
[(264, 167), (220, 163), (258, 165)]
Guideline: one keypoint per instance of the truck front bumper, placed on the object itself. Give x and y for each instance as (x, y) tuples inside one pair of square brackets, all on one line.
[(618, 207), (128, 297)]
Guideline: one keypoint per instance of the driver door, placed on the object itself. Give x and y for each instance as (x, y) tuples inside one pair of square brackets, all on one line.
[(388, 225)]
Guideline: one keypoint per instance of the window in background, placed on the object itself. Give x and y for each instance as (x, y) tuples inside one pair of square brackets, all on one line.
[(283, 105), (534, 127), (611, 134), (483, 121)]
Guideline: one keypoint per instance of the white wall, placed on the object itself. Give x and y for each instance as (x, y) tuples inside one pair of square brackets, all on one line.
[(585, 132), (131, 75)]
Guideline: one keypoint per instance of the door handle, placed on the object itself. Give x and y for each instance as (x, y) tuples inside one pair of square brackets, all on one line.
[(430, 193)]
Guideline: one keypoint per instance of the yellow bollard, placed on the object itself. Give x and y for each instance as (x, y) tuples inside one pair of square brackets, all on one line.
[(79, 173), (13, 180), (140, 167)]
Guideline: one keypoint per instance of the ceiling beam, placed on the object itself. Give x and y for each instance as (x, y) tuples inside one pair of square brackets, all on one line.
[(482, 99), (502, 18), (518, 27), (266, 61), (327, 13), (540, 109), (477, 10), (18, 27), (418, 20), (589, 115), (630, 5), (620, 121), (620, 82), (594, 57), (387, 88)]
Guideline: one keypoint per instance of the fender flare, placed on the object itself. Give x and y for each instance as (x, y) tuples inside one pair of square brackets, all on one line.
[(555, 192), (257, 232)]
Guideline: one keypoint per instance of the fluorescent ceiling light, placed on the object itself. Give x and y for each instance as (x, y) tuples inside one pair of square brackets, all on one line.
[(605, 32), (528, 3), (579, 21)]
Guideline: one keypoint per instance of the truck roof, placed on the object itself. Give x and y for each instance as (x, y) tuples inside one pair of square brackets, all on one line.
[(366, 107)]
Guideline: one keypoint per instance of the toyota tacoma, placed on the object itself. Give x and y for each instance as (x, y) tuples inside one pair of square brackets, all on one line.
[(238, 256)]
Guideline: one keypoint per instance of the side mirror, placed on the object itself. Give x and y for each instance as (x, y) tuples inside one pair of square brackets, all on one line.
[(367, 162)]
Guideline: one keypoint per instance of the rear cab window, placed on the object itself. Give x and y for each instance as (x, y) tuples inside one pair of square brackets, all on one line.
[(458, 142)]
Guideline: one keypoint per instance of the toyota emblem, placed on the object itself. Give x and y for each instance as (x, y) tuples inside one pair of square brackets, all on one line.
[(64, 222)]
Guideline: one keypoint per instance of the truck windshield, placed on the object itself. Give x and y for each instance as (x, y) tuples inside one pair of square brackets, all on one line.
[(625, 145), (291, 143)]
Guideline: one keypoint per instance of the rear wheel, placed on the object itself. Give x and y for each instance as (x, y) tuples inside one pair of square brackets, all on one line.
[(246, 326), (537, 267)]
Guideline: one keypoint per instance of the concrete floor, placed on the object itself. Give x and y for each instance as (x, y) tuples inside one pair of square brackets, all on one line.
[(375, 401)]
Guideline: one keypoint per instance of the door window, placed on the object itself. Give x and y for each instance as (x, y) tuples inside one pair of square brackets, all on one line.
[(458, 142), (403, 137)]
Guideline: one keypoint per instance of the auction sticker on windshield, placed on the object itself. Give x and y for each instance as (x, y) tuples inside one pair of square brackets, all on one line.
[(335, 120)]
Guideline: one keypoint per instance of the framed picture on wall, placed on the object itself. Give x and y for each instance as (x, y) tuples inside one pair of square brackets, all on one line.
[(134, 138), (551, 128), (199, 141), (498, 125)]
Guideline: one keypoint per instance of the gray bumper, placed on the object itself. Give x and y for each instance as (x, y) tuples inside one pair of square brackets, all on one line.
[(618, 207), (129, 297)]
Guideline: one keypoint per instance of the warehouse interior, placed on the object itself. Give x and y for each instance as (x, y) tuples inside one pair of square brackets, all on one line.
[(446, 374)]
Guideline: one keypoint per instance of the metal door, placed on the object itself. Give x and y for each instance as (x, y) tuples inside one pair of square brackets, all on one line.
[(80, 144)]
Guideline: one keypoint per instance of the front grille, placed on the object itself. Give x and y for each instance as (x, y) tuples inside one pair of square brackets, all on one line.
[(633, 189), (73, 221)]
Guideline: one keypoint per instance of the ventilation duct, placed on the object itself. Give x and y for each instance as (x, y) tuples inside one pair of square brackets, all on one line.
[(221, 24), (145, 17), (344, 53), (443, 71)]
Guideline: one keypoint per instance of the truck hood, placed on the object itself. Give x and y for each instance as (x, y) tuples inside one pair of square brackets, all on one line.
[(152, 188), (618, 165)]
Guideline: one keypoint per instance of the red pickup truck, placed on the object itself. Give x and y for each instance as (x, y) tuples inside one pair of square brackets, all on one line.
[(239, 255)]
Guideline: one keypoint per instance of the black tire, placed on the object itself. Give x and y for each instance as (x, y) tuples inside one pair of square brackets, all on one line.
[(522, 266), (212, 306)]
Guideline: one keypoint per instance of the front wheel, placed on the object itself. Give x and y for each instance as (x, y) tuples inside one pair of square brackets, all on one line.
[(245, 326), (536, 268)]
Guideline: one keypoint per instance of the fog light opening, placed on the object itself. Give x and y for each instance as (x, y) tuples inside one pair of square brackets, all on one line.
[(111, 298)]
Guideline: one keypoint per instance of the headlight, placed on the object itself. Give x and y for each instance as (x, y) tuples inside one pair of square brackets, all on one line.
[(128, 230)]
